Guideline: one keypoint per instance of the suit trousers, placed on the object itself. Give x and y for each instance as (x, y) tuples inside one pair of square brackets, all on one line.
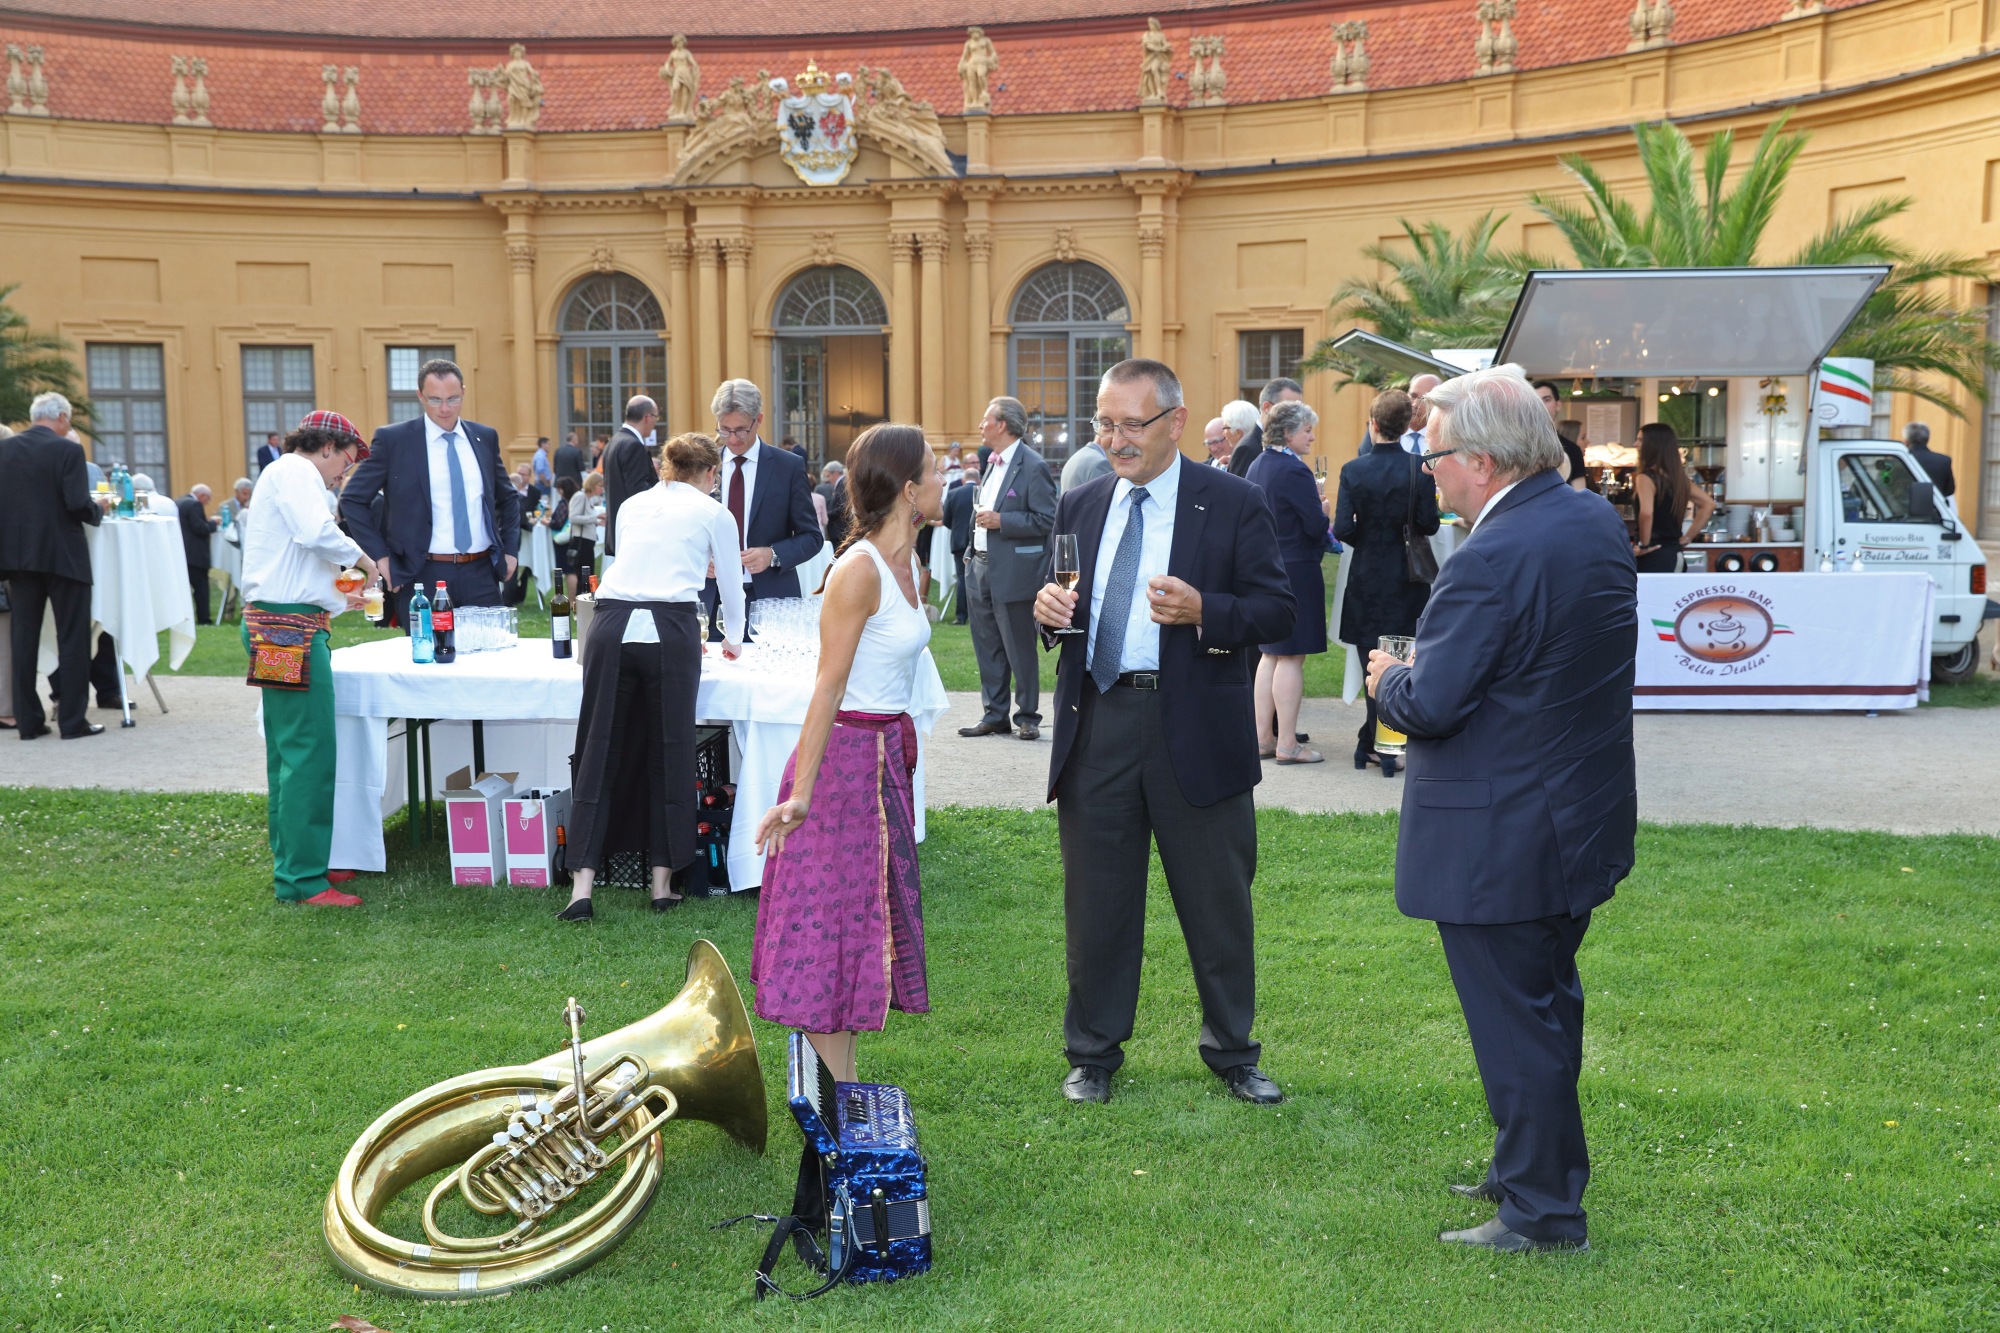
[(1118, 796), (32, 593), (470, 584), (1004, 638), (198, 586), (1523, 1005)]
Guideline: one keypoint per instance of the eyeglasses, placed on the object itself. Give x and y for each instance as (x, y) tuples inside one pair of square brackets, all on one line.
[(736, 432), (1430, 460), (1217, 440), (1130, 430), (444, 402)]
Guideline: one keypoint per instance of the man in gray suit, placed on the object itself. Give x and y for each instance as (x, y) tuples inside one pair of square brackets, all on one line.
[(1086, 464), (1014, 509)]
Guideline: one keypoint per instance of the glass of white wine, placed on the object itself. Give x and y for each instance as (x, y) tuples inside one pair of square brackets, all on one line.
[(1067, 570), (1388, 740)]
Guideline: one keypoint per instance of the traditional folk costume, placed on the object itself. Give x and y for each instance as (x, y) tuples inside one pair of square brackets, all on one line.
[(290, 557), (840, 931), (632, 776)]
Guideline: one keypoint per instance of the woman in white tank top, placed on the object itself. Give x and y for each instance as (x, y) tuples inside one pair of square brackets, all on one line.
[(839, 922)]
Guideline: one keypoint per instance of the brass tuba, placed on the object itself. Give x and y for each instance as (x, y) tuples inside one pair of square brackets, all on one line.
[(521, 1141)]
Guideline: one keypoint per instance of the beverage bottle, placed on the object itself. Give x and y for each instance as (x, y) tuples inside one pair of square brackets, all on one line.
[(559, 872), (444, 644), (561, 623), (121, 482), (422, 647)]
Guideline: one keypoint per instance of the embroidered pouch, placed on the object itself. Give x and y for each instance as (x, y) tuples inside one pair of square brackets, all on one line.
[(280, 643)]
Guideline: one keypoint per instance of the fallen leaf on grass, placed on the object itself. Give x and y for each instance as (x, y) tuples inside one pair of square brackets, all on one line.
[(1888, 1124), (354, 1323)]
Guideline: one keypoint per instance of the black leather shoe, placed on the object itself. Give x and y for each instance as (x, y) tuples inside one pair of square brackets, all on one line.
[(1483, 1190), (34, 733), (581, 910), (667, 904), (93, 729), (1249, 1083), (1028, 731), (1088, 1083), (986, 729), (1496, 1235), (1390, 763)]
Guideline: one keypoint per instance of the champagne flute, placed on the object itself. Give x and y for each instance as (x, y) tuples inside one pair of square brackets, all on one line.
[(1067, 570)]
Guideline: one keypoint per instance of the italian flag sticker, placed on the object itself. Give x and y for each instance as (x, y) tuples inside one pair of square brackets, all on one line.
[(1843, 383)]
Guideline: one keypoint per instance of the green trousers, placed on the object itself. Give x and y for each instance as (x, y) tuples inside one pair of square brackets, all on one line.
[(299, 765)]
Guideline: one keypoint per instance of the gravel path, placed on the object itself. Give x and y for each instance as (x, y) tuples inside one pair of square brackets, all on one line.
[(1927, 771)]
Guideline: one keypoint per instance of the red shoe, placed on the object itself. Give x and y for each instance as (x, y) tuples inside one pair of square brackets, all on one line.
[(340, 876), (333, 898)]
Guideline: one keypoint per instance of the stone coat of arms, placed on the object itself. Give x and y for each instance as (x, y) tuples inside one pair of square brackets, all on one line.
[(816, 126)]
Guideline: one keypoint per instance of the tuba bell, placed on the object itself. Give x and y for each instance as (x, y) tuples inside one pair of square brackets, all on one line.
[(521, 1142)]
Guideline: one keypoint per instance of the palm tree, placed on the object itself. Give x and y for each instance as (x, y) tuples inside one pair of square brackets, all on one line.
[(1446, 291), (32, 363), (1907, 328)]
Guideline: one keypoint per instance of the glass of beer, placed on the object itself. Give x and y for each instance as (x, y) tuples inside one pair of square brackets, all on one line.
[(1067, 569), (371, 601), (1388, 740)]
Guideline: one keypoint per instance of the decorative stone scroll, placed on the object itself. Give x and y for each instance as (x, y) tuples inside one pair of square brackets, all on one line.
[(1650, 23), (977, 64), (1348, 70), (483, 107), (27, 86), (1493, 51), (682, 75), (190, 101), (1066, 245), (341, 114), (1207, 84), (744, 119), (1156, 60)]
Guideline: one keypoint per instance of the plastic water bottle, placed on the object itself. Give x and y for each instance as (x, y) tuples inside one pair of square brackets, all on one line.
[(121, 483), (423, 646), (1840, 562)]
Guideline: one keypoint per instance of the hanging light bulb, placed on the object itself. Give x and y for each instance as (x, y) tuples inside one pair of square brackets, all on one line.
[(1576, 388), (1713, 390), (1677, 390)]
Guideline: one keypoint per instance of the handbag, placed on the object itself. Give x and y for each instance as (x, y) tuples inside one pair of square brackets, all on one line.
[(281, 647), (1420, 562)]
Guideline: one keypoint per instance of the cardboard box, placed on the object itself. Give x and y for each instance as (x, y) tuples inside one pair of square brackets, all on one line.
[(530, 820), (472, 817)]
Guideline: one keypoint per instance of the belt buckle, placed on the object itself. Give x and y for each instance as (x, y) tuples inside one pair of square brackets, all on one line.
[(1145, 680)]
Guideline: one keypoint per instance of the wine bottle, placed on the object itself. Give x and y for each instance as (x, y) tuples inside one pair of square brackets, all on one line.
[(561, 623)]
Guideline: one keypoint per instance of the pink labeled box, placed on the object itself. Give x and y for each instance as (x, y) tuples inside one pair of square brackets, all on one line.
[(529, 821), (472, 817)]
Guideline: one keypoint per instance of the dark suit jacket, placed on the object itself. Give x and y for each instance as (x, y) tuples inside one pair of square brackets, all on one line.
[(569, 462), (267, 455), (196, 528), (1246, 451), (1368, 516), (628, 469), (1225, 547), (1017, 551), (839, 518), (1938, 466), (781, 517), (958, 516), (44, 504), (398, 468), (1520, 800)]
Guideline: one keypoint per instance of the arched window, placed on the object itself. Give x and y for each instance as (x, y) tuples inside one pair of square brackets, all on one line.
[(829, 360), (1069, 328), (610, 350)]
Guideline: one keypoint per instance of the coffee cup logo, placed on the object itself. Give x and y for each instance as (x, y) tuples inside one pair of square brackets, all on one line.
[(1723, 629)]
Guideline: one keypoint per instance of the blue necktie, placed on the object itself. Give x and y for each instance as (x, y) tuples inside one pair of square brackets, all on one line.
[(1118, 590), (461, 517)]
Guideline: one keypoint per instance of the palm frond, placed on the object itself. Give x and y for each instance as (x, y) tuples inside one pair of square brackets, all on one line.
[(33, 362)]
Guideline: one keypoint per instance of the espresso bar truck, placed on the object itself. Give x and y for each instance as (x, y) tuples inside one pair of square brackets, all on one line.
[(1832, 575)]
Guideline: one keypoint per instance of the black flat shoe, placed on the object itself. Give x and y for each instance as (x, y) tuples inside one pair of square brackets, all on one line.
[(1389, 765), (1251, 1084), (35, 733), (668, 904), (94, 729), (1088, 1083), (1363, 758), (986, 729), (580, 910)]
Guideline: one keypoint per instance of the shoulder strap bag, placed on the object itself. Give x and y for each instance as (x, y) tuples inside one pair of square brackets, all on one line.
[(1420, 562)]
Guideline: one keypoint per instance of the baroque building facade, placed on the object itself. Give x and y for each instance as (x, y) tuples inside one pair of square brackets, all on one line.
[(234, 217)]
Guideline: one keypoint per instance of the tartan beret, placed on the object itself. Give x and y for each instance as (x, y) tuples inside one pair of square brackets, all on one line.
[(336, 424)]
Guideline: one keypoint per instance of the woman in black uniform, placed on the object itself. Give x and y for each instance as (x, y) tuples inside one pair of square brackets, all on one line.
[(1664, 492)]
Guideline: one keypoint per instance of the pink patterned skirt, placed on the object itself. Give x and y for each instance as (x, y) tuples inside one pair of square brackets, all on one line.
[(840, 930)]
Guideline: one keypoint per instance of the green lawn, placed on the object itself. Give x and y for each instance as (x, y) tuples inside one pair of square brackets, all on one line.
[(1790, 1091)]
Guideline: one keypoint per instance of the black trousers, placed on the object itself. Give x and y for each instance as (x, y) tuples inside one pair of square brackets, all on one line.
[(471, 584), (198, 585), (1523, 1005), (33, 593), (1008, 648), (1117, 798)]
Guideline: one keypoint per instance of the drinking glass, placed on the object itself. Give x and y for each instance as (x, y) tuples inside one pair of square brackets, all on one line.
[(1388, 740), (1067, 570), (349, 580), (371, 601)]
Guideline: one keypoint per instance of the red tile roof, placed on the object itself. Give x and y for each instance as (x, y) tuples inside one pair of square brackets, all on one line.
[(264, 56)]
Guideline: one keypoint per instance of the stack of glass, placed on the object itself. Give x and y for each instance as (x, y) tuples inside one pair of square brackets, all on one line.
[(487, 628), (784, 633)]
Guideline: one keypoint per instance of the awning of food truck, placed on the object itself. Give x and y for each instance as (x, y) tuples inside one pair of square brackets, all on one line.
[(1375, 350), (1683, 322)]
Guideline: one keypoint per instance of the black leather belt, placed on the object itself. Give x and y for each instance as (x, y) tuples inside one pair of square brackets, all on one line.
[(453, 558), (977, 554), (1138, 680)]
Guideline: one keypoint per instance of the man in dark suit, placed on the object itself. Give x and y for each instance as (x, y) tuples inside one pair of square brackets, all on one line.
[(1155, 742), (795, 449), (832, 488), (570, 461), (196, 528), (1015, 506), (449, 514), (267, 454), (765, 491), (1520, 805), (45, 501), (1917, 437), (958, 517), (628, 464)]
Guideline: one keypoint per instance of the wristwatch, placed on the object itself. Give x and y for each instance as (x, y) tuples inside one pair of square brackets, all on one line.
[(774, 557)]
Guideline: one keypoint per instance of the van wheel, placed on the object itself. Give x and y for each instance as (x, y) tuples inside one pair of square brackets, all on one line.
[(1957, 668)]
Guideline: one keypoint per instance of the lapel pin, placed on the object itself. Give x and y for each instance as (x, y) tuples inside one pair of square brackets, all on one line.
[(1202, 508)]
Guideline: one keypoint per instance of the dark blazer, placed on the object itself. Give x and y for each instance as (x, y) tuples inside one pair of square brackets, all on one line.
[(781, 517), (44, 504), (196, 528), (628, 469), (398, 468), (1246, 451), (958, 516), (1938, 466), (1520, 802), (1017, 551), (1368, 515), (569, 462), (1293, 495), (1225, 547)]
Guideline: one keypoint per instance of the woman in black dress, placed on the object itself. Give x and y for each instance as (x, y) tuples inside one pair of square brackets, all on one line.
[(1381, 492), (1295, 502), (1664, 492)]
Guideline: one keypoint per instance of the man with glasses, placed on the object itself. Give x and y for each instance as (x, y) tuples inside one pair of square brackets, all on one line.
[(1215, 439), (450, 514), (1012, 509), (766, 492), (1179, 580)]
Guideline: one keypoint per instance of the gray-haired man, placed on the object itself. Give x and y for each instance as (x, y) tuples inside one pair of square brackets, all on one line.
[(764, 488), (1013, 510)]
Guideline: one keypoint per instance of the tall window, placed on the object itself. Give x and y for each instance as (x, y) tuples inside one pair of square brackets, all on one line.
[(1989, 445), (1069, 328), (277, 393), (610, 351), (128, 391), (831, 368), (1263, 355), (404, 363)]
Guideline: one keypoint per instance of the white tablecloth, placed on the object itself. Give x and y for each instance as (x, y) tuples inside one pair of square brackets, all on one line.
[(539, 548), (944, 569), (813, 570), (530, 700), (225, 552), (139, 586)]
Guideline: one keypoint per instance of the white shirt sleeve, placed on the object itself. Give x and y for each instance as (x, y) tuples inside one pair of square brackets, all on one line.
[(729, 578), (313, 527)]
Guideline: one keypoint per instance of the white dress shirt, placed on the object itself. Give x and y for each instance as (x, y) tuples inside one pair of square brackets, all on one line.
[(442, 525), (666, 537), (293, 550), (990, 489), (1487, 508), (722, 475), (1142, 634), (1413, 441)]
